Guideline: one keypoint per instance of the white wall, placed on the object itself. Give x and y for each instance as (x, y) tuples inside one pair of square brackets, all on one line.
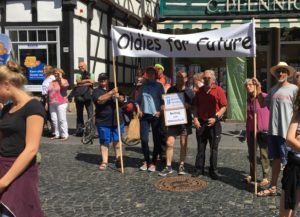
[(131, 5), (100, 68), (80, 41), (95, 23), (49, 10), (18, 11)]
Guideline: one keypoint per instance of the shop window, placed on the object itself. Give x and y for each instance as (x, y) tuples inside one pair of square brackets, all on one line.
[(22, 35), (13, 35), (290, 53), (32, 35), (262, 37), (51, 35), (42, 35), (290, 34)]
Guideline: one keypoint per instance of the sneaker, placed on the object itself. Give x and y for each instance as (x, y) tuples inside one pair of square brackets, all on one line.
[(144, 167), (181, 170), (152, 168), (165, 172)]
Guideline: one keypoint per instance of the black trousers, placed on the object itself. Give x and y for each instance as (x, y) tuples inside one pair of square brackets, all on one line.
[(88, 104), (213, 136)]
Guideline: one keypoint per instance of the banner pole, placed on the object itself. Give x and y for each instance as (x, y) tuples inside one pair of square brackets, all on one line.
[(118, 117), (255, 125)]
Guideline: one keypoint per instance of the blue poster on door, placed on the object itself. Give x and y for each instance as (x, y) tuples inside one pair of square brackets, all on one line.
[(5, 48), (34, 68)]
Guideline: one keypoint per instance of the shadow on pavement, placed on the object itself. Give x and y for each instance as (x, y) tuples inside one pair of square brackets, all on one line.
[(96, 159), (234, 178)]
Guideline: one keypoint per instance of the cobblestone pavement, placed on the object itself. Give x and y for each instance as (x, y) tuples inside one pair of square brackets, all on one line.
[(71, 184)]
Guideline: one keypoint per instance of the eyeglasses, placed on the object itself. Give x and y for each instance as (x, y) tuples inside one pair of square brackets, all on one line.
[(206, 78), (283, 70)]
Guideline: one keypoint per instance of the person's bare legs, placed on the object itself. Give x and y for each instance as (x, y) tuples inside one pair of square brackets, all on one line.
[(288, 212), (183, 148), (275, 171), (104, 152), (272, 190), (117, 149), (170, 147)]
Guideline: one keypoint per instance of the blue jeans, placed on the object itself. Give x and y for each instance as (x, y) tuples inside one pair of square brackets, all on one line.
[(145, 122)]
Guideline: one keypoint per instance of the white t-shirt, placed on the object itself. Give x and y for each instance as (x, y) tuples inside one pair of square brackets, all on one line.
[(46, 83), (280, 102)]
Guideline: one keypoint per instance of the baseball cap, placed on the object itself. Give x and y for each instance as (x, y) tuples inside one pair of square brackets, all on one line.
[(102, 76)]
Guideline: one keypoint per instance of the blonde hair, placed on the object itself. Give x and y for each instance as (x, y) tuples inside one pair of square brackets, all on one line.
[(48, 70), (11, 72), (198, 76), (59, 70)]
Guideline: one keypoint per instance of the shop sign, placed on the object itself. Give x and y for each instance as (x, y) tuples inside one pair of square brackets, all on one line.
[(215, 6), (237, 41), (227, 7)]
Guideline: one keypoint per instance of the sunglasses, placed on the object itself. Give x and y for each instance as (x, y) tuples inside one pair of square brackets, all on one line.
[(283, 70), (206, 78)]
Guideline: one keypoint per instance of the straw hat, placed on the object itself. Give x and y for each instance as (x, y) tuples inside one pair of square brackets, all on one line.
[(284, 65)]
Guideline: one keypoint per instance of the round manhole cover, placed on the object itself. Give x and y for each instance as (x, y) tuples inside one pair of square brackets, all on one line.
[(180, 184)]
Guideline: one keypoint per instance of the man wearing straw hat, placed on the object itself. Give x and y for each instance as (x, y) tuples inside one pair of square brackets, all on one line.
[(280, 102)]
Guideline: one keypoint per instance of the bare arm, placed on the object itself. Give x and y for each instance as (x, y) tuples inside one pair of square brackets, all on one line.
[(34, 127), (213, 120), (103, 98), (195, 114), (63, 83), (291, 139), (85, 82)]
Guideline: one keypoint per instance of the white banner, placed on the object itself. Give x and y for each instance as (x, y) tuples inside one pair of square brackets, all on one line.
[(235, 41)]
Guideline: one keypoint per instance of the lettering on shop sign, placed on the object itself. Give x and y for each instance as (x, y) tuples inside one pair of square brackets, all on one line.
[(226, 42), (215, 6)]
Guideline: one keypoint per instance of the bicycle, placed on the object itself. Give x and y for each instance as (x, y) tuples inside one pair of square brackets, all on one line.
[(89, 132)]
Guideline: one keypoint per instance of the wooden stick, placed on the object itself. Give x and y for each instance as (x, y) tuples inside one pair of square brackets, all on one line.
[(255, 123), (118, 117)]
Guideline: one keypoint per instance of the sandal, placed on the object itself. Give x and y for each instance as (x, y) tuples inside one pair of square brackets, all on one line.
[(103, 166), (54, 137), (247, 179), (272, 191), (264, 182)]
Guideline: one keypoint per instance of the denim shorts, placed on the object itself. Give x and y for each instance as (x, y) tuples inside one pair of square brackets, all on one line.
[(277, 148), (109, 134)]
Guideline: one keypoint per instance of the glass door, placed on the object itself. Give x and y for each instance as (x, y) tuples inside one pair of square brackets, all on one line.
[(33, 58)]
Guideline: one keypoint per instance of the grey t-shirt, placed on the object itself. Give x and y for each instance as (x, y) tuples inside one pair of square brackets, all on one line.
[(280, 102)]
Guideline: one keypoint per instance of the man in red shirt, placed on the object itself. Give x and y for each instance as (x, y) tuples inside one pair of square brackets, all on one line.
[(208, 106)]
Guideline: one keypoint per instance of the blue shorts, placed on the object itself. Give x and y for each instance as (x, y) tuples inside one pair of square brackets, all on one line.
[(109, 134), (277, 148)]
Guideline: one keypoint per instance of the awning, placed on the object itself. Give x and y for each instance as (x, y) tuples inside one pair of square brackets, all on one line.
[(216, 24)]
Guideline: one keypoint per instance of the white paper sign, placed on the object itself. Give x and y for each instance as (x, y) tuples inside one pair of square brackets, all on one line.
[(175, 112), (235, 41), (175, 117), (174, 101)]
